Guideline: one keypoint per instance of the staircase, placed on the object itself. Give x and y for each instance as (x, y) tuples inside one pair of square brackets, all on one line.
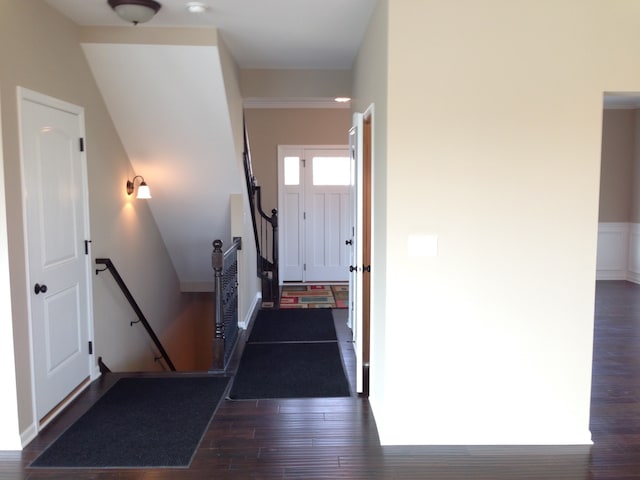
[(265, 230)]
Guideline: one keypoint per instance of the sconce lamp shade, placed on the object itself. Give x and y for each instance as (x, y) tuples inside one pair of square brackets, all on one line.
[(143, 188), (143, 191), (135, 11)]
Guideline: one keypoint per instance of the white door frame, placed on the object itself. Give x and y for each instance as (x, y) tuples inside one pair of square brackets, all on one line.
[(294, 150), (26, 94), (10, 431)]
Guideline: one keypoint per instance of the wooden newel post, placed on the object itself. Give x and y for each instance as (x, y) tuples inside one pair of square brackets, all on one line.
[(217, 262)]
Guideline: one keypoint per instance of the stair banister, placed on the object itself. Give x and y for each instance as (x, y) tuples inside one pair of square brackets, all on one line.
[(225, 268)]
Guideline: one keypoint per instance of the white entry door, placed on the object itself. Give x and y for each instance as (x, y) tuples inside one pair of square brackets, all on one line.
[(314, 206), (56, 210)]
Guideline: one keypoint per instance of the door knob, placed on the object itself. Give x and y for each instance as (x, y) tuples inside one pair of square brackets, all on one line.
[(352, 268), (348, 242), (40, 288)]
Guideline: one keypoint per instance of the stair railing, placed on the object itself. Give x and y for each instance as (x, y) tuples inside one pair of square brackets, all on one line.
[(108, 265), (265, 230), (225, 267)]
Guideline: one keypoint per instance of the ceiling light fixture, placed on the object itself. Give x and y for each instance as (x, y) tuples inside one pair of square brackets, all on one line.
[(196, 7), (143, 188), (342, 99), (135, 11)]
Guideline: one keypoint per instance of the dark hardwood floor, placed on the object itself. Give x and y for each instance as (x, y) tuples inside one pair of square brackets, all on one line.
[(337, 438)]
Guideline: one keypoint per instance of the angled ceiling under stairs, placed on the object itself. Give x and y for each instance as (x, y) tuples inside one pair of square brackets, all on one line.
[(169, 106)]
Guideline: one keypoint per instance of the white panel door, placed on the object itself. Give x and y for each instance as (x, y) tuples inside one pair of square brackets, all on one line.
[(356, 246), (327, 220), (54, 175)]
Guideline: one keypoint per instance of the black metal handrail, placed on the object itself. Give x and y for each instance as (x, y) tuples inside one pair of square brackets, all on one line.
[(225, 267), (109, 266), (266, 233)]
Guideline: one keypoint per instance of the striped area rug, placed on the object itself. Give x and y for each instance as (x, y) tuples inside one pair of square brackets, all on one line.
[(314, 296)]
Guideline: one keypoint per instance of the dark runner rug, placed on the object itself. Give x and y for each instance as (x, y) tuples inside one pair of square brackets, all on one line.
[(293, 325), (140, 422), (290, 370)]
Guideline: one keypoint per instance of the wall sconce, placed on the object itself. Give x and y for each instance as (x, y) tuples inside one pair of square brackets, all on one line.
[(135, 11), (143, 188)]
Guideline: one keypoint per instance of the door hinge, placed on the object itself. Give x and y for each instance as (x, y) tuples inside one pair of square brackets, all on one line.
[(90, 347), (304, 215), (81, 144), (304, 163), (304, 267), (86, 246)]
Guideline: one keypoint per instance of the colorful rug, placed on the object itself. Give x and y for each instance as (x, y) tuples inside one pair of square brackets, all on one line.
[(314, 296)]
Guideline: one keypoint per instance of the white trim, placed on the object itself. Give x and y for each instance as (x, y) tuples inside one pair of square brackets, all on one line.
[(28, 434), (244, 324), (286, 102), (10, 432), (26, 94)]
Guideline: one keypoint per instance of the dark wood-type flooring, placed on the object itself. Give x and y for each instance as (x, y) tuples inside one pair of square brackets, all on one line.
[(337, 438)]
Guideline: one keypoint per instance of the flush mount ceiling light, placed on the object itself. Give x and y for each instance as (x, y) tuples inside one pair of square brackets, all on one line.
[(196, 7), (135, 11)]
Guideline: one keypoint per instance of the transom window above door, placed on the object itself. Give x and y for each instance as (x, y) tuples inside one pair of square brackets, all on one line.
[(331, 171)]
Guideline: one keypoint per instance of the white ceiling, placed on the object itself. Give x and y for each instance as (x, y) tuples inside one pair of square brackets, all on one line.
[(279, 34)]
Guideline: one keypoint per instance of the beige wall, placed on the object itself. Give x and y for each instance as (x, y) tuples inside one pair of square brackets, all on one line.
[(39, 50), (494, 128), (616, 171), (241, 224), (270, 127), (295, 83)]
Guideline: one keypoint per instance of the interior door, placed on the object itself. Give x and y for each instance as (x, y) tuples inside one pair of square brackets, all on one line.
[(327, 210), (55, 201), (355, 244)]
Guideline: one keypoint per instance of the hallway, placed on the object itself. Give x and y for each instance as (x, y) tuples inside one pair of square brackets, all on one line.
[(337, 437)]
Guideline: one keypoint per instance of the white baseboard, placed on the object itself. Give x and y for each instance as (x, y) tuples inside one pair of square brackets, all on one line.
[(28, 435), (254, 305)]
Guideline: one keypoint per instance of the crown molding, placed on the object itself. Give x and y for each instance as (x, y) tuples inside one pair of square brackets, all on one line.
[(315, 102)]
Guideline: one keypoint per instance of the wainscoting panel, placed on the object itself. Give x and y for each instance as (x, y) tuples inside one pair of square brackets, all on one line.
[(613, 250), (633, 263)]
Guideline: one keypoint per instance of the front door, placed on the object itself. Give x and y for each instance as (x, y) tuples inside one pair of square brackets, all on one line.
[(314, 206), (55, 205)]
